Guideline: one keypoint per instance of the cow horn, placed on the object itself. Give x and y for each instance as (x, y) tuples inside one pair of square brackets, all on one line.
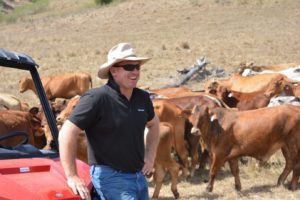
[(213, 117)]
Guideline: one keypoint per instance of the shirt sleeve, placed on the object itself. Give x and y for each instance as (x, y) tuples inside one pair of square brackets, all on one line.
[(150, 108), (86, 113)]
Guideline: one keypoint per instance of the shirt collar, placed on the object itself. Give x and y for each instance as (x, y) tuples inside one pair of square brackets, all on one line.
[(112, 84)]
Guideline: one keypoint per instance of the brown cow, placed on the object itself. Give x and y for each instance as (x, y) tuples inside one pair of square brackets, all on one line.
[(169, 112), (271, 68), (65, 113), (246, 84), (10, 102), (164, 162), (253, 100), (56, 108), (11, 120), (81, 140), (62, 86), (256, 133), (189, 102), (172, 92), (297, 90)]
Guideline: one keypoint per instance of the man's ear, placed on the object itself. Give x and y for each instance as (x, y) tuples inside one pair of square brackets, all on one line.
[(112, 71)]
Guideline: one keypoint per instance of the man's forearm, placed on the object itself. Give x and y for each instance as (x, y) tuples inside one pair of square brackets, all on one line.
[(68, 149), (152, 139)]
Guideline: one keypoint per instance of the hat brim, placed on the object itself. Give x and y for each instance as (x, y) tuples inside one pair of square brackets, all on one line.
[(104, 68)]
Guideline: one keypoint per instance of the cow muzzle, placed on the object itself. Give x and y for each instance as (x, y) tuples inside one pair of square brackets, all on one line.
[(196, 131)]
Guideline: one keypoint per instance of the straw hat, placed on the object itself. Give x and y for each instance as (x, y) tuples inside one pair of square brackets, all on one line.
[(120, 52)]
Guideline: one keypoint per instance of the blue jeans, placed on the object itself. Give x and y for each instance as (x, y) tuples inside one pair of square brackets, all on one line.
[(112, 184)]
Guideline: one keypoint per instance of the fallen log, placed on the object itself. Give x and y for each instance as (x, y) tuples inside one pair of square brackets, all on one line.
[(7, 5), (188, 73)]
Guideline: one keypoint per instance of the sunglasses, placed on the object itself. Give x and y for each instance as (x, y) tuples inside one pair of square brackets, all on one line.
[(130, 67)]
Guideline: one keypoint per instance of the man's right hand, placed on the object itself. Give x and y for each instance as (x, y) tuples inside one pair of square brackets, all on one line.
[(78, 186)]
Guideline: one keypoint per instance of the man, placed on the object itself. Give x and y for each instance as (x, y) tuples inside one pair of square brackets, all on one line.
[(114, 117)]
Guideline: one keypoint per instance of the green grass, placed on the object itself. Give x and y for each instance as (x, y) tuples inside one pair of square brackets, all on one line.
[(40, 6), (35, 7)]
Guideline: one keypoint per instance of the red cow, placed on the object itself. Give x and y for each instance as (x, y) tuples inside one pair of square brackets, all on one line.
[(11, 120), (65, 113), (256, 133), (246, 83), (297, 90), (56, 107), (253, 100), (189, 102), (169, 112), (63, 86), (172, 92), (164, 162), (10, 102), (81, 140)]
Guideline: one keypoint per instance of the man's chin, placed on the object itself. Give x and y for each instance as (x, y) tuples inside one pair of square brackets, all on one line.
[(133, 84)]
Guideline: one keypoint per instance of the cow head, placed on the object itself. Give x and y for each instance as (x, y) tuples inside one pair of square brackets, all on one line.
[(36, 127), (56, 108), (198, 117), (25, 83), (212, 87), (279, 87), (36, 122), (274, 88), (222, 92), (288, 89), (65, 113)]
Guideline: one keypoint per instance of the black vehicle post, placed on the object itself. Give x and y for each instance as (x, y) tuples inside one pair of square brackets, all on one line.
[(45, 104)]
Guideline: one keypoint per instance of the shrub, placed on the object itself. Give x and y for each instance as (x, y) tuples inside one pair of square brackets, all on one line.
[(102, 2)]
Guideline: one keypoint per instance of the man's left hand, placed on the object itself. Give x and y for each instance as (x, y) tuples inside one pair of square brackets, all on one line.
[(148, 166)]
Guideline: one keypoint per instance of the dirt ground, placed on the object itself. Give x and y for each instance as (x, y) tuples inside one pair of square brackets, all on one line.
[(73, 35)]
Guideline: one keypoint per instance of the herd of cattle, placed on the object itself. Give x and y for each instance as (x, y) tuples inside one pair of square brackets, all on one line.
[(250, 113)]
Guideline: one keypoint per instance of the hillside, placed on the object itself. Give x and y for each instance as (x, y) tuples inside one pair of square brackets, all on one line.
[(72, 35), (75, 35)]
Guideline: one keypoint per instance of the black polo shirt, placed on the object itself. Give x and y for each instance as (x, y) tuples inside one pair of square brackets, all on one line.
[(114, 126)]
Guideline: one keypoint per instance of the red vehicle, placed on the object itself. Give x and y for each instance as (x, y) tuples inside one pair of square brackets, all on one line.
[(25, 171)]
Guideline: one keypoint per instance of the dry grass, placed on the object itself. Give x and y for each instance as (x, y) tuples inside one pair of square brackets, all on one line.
[(74, 35), (257, 183)]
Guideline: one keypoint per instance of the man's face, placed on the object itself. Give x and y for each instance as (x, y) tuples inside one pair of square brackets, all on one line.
[(126, 74)]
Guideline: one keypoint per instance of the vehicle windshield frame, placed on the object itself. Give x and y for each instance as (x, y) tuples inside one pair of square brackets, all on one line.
[(22, 61)]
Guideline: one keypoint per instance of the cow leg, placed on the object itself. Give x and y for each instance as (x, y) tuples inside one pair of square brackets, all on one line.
[(214, 169), (181, 150), (159, 175), (295, 178), (234, 168), (296, 173), (174, 169), (204, 158), (288, 166), (48, 136), (193, 166), (194, 144)]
